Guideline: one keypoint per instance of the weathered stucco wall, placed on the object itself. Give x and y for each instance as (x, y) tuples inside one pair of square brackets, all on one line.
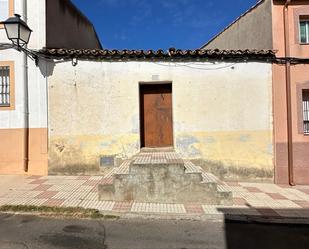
[(252, 31), (222, 113)]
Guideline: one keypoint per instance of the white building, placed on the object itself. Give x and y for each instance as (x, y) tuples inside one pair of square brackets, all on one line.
[(214, 106), (52, 27)]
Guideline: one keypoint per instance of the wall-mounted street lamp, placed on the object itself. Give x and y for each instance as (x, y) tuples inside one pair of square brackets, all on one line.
[(17, 31)]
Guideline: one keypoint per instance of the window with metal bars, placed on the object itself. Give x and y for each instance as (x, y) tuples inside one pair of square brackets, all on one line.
[(304, 31), (4, 86), (306, 111)]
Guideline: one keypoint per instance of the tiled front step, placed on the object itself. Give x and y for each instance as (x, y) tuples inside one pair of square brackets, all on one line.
[(124, 191), (124, 168), (224, 192), (165, 178)]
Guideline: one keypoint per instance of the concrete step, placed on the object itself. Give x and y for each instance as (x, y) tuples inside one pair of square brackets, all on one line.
[(191, 168), (124, 168), (165, 178)]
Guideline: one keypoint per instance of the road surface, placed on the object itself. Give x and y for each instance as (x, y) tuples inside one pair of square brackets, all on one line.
[(33, 232)]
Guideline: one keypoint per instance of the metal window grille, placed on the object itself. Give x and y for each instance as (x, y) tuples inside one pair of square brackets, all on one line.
[(4, 86), (306, 110), (304, 31)]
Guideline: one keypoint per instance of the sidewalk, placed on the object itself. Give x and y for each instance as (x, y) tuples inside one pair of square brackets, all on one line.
[(252, 199)]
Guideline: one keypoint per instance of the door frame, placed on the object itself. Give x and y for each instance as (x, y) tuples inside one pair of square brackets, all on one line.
[(141, 83)]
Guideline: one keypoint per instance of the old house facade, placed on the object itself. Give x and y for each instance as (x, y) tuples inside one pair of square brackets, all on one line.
[(91, 108), (281, 26), (23, 117), (195, 101)]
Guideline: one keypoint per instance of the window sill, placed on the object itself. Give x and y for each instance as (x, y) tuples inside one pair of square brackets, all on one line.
[(304, 44), (7, 108)]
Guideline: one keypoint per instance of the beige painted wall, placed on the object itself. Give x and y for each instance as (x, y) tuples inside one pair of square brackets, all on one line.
[(221, 112), (252, 31)]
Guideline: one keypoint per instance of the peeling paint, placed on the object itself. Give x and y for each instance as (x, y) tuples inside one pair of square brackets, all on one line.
[(229, 149), (244, 138), (212, 112), (89, 154)]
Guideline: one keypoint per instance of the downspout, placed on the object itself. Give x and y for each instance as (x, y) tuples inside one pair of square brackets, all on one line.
[(288, 93), (26, 101)]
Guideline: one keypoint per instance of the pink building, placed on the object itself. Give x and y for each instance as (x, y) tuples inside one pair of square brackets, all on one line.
[(282, 26)]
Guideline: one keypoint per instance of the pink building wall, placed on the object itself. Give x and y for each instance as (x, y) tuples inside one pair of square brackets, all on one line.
[(299, 81)]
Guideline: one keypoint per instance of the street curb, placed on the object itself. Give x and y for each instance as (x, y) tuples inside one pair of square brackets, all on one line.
[(214, 218), (268, 219), (193, 217)]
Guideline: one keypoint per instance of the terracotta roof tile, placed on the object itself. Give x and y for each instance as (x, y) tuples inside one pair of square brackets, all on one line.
[(156, 54)]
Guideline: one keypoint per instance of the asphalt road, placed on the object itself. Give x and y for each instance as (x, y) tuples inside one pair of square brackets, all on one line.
[(32, 232)]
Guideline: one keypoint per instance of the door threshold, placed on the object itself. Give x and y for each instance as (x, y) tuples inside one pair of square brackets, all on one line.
[(157, 149)]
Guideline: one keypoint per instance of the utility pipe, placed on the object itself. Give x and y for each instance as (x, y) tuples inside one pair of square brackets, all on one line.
[(288, 93), (26, 101)]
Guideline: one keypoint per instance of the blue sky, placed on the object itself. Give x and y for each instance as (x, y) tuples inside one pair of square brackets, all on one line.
[(154, 24)]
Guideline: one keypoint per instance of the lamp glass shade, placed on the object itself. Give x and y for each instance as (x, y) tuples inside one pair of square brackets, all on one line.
[(17, 31), (24, 33), (12, 30)]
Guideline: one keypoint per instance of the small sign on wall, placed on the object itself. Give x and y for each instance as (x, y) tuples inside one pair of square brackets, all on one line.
[(107, 161)]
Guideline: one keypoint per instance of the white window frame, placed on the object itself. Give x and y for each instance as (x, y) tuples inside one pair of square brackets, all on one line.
[(11, 104), (307, 31), (305, 102)]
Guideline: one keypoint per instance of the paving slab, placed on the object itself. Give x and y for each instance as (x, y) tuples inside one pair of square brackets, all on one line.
[(263, 201)]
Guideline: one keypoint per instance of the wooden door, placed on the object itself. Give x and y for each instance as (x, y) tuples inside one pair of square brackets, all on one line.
[(156, 115)]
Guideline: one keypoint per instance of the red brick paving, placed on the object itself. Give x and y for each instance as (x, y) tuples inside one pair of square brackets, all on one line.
[(107, 180), (42, 187), (253, 189), (94, 189), (239, 201), (47, 194), (233, 184), (34, 177), (194, 209), (303, 204), (122, 206), (91, 183), (277, 196), (38, 181), (53, 202), (284, 185), (83, 177), (306, 191)]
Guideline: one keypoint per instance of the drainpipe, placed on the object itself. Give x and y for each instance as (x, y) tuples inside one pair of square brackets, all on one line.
[(26, 101), (288, 93)]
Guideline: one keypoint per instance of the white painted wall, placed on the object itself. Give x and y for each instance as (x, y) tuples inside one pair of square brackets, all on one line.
[(37, 82), (221, 111), (206, 97)]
